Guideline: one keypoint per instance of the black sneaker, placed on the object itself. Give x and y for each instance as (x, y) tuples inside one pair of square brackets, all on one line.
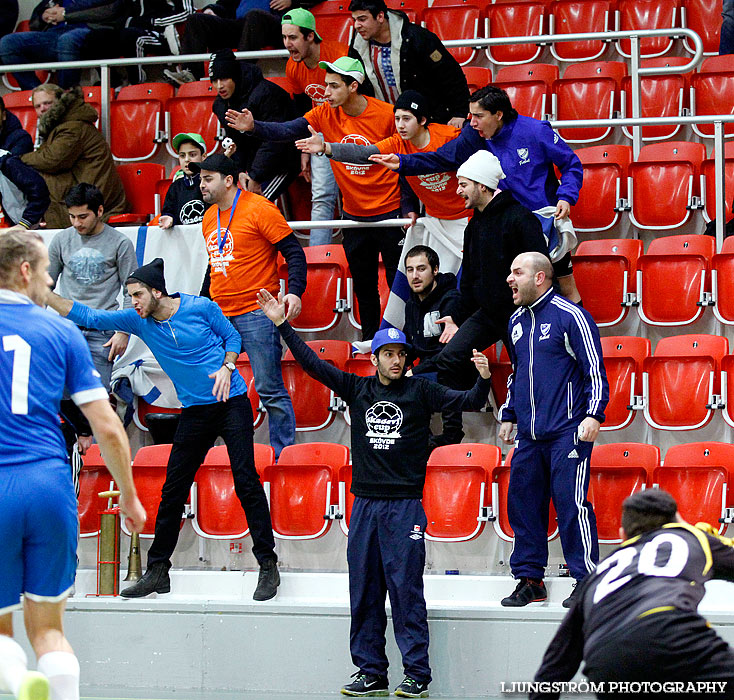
[(268, 581), (527, 591), (567, 603), (365, 685), (154, 580), (411, 688)]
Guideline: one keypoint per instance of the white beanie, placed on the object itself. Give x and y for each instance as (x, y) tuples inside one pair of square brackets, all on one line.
[(482, 167)]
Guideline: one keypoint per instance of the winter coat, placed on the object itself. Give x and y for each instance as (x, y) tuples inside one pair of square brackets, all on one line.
[(23, 192), (425, 65), (268, 102), (73, 150), (8, 16), (13, 137)]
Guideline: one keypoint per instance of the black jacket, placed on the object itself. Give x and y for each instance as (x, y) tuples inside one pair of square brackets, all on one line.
[(32, 187), (420, 326), (268, 102), (425, 66), (8, 16), (95, 14), (492, 240), (183, 201), (13, 137)]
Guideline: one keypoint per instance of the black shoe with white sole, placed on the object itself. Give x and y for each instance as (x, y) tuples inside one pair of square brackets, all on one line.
[(365, 685)]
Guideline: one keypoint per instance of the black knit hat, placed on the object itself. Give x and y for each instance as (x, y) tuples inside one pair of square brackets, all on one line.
[(223, 64), (652, 502), (151, 274), (414, 102)]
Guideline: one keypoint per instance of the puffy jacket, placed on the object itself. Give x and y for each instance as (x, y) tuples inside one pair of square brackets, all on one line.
[(425, 65), (23, 191), (268, 102), (73, 151), (13, 137), (558, 371)]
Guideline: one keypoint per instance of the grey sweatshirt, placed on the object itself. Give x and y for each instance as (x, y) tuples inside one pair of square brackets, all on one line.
[(92, 268)]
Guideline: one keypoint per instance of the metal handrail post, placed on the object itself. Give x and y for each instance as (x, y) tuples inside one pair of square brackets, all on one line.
[(635, 66), (719, 162)]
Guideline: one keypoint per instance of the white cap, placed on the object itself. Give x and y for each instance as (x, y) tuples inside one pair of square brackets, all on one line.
[(482, 167)]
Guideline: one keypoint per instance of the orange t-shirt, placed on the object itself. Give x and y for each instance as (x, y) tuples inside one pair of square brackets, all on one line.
[(248, 255), (310, 81), (367, 190), (436, 190)]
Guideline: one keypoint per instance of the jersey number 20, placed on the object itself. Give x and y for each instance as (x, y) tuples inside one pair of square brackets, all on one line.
[(21, 372)]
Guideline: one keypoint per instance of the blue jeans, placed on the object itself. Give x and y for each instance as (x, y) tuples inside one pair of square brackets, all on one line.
[(62, 43), (96, 340), (261, 342), (323, 198), (726, 42)]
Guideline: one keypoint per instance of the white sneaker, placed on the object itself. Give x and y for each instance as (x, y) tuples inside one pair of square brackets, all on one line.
[(179, 77)]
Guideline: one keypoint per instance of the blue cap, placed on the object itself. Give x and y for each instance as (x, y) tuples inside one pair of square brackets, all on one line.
[(387, 336)]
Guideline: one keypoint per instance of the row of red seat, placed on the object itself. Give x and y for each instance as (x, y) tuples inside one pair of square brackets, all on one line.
[(672, 284), (454, 19), (466, 487)]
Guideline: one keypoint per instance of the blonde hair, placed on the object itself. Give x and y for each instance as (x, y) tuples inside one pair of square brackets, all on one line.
[(17, 247)]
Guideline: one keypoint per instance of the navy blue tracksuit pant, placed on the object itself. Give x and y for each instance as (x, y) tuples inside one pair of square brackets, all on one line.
[(557, 468), (386, 554)]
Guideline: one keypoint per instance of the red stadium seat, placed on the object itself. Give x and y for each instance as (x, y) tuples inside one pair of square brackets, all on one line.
[(139, 181), (500, 485), (313, 403), (646, 14), (660, 96), (325, 298), (708, 171), (727, 388), (697, 475), (617, 471), (673, 167), (198, 88), (712, 92), (455, 493), (704, 17), (362, 366), (605, 185), (588, 91), (295, 204), (477, 77), (149, 473), (218, 513), (604, 271), (416, 7), (382, 287), (578, 17), (623, 360), (161, 190), (258, 411), (455, 22), (722, 282), (681, 381), (529, 87), (137, 121), (193, 114), (21, 105), (329, 7), (93, 479), (500, 369), (336, 26), (514, 19), (301, 488), (146, 91), (93, 96), (673, 279)]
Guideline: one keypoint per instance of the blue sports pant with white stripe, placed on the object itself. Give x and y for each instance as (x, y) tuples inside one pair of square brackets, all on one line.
[(557, 469)]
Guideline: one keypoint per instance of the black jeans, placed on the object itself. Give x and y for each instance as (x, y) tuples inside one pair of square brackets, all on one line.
[(197, 430), (206, 33), (362, 247)]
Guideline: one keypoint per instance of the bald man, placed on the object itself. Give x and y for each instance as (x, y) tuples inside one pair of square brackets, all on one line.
[(557, 395)]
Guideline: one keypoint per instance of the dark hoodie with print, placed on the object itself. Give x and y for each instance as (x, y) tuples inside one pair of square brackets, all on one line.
[(262, 160)]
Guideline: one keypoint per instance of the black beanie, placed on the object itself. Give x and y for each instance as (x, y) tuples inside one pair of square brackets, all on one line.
[(414, 102), (151, 274), (223, 64), (652, 502)]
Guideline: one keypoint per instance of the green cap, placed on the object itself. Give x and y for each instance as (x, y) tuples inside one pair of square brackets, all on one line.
[(301, 18), (178, 139), (345, 65)]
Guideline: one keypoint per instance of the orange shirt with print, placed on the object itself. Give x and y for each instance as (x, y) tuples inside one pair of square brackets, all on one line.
[(437, 191), (367, 190), (248, 255), (310, 81)]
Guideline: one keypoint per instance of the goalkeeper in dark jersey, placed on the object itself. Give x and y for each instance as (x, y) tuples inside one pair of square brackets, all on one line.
[(634, 620)]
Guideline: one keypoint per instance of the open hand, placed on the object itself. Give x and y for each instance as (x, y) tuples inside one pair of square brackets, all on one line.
[(314, 144), (481, 363), (273, 308), (389, 160), (242, 121)]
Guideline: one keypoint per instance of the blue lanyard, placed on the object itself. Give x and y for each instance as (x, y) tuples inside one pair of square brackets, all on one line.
[(221, 240)]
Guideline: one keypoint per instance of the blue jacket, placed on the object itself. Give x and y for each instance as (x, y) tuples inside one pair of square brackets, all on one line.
[(526, 148), (27, 204), (13, 137), (558, 372), (189, 346)]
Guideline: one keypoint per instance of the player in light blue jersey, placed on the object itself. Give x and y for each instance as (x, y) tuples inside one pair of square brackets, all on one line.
[(41, 353)]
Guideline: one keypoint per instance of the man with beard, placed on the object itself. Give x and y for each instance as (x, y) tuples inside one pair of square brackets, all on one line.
[(196, 347)]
